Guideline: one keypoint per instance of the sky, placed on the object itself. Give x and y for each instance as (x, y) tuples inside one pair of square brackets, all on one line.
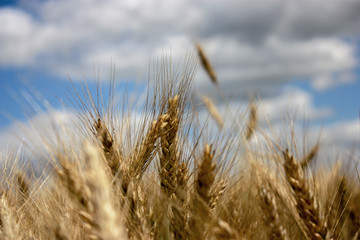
[(301, 55)]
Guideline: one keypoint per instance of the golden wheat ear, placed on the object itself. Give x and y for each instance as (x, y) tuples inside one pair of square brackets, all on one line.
[(206, 64), (213, 111), (112, 155), (201, 204), (169, 154), (106, 221), (271, 217), (9, 227), (252, 122), (306, 203), (145, 153), (309, 157), (206, 174)]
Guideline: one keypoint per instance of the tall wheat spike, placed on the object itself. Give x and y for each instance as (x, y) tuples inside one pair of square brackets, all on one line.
[(206, 64), (144, 155), (106, 222), (201, 199), (206, 174), (306, 203), (112, 155), (169, 155), (252, 122)]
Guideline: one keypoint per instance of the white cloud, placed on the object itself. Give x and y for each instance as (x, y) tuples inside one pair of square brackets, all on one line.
[(340, 139), (343, 133), (323, 82), (243, 67), (294, 101), (252, 46), (17, 28), (38, 133)]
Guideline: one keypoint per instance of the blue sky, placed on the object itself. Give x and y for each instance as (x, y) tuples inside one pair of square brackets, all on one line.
[(284, 51)]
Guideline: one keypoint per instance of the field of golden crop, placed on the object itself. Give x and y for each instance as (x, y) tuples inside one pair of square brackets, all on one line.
[(169, 177)]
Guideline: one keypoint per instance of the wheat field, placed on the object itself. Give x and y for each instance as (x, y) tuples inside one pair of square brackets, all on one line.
[(171, 177)]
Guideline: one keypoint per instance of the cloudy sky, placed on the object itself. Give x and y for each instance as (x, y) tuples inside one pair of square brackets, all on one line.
[(298, 54)]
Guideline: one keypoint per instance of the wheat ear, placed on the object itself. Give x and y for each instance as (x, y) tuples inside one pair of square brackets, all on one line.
[(144, 155), (206, 175), (106, 221), (206, 64), (270, 209), (309, 157), (138, 216), (252, 122), (179, 220), (201, 199), (107, 142), (213, 111), (9, 227), (168, 158), (216, 192), (306, 204)]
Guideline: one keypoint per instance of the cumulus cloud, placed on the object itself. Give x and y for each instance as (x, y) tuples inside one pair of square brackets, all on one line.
[(253, 45), (340, 139), (294, 101), (38, 133), (323, 82), (246, 68)]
